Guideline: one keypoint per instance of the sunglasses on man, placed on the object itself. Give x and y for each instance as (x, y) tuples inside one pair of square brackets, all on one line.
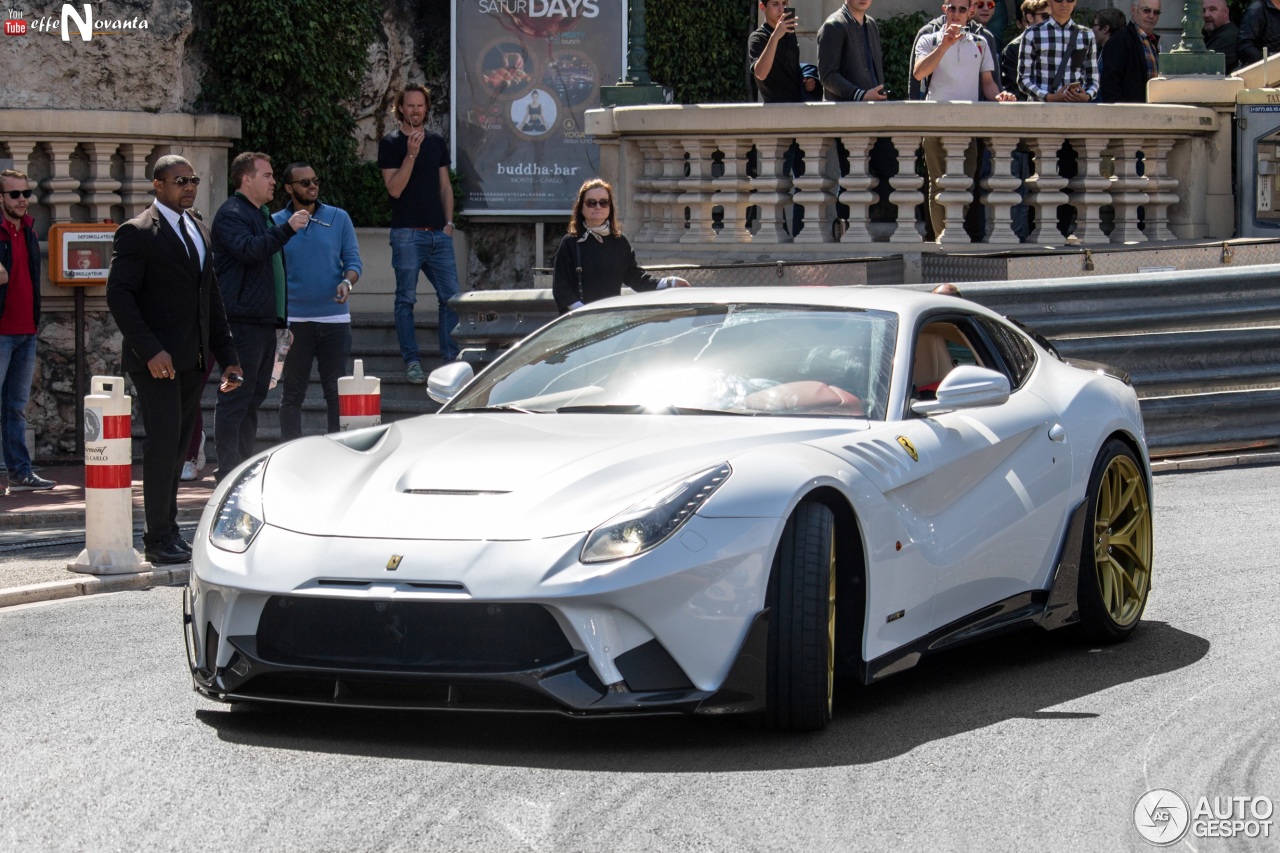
[(17, 194), (183, 180), (307, 182)]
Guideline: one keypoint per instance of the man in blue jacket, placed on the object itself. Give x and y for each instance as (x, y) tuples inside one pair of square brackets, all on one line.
[(323, 264), (250, 265)]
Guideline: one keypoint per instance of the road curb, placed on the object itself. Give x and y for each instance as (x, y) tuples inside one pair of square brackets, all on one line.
[(1219, 460), (69, 517), (92, 585)]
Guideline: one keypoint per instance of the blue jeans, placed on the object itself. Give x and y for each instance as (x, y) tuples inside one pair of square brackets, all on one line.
[(430, 252), (17, 367)]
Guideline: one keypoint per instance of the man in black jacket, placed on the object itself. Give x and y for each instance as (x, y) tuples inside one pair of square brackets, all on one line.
[(1220, 35), (247, 254), (164, 298), (19, 322), (1259, 28), (1129, 58)]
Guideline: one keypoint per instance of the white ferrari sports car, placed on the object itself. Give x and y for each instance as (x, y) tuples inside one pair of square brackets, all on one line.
[(708, 501)]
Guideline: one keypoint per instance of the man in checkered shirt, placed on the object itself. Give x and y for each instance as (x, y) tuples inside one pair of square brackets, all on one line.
[(1041, 72)]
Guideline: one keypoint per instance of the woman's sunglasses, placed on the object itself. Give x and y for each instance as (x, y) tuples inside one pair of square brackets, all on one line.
[(595, 202)]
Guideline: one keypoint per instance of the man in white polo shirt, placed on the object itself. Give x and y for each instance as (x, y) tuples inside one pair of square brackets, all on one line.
[(961, 67)]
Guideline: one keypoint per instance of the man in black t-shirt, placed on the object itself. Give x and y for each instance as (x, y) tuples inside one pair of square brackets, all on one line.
[(774, 54), (415, 168)]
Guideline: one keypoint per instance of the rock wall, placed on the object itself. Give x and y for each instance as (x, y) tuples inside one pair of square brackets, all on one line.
[(150, 69), (52, 410)]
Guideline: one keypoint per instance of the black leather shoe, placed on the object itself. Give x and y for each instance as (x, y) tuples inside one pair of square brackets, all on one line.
[(181, 543), (166, 554)]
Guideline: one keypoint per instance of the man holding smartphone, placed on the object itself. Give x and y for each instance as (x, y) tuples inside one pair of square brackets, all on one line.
[(774, 55), (1059, 59), (164, 297)]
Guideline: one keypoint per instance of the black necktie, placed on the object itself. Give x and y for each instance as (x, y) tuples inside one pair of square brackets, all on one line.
[(191, 246)]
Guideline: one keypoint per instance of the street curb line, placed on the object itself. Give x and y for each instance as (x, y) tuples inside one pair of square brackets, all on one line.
[(91, 585), (60, 518), (1209, 463)]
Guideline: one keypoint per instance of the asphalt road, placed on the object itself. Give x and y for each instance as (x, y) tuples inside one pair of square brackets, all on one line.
[(1023, 743)]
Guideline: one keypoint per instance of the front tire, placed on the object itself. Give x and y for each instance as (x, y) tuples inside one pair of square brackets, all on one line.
[(1115, 569), (802, 622)]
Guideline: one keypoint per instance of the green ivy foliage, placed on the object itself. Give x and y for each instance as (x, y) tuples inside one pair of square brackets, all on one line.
[(897, 42), (287, 67), (699, 49)]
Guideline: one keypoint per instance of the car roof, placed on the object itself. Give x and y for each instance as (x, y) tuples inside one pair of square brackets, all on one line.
[(907, 303)]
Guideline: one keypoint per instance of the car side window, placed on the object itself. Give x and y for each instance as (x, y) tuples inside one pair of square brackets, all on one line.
[(940, 346), (1015, 350)]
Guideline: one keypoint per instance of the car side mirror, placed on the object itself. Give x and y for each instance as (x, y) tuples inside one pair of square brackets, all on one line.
[(444, 383), (966, 387)]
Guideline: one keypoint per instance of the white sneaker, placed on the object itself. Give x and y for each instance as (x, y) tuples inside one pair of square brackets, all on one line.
[(200, 457), (188, 471)]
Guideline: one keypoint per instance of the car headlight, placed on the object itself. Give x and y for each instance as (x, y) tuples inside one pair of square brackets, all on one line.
[(240, 515), (645, 525)]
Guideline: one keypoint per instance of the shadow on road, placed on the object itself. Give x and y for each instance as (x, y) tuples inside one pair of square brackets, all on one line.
[(1020, 676)]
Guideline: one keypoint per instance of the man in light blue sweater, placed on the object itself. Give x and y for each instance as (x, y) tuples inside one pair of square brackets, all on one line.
[(322, 263)]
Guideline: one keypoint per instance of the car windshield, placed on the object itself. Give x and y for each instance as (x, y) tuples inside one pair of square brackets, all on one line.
[(698, 359)]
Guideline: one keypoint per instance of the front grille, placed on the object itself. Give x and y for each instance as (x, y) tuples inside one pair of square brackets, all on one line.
[(371, 692), (415, 636)]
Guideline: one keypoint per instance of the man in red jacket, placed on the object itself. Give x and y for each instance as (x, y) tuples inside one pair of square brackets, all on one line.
[(19, 322)]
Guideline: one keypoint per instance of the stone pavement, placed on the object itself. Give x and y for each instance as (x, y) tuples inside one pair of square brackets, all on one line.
[(57, 518)]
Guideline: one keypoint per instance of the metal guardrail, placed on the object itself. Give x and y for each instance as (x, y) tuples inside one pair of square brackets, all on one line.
[(1202, 347)]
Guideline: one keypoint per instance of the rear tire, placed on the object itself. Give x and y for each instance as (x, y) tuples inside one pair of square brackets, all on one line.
[(1115, 565), (802, 621)]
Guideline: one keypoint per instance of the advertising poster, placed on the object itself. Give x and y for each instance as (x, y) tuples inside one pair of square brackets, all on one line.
[(525, 73)]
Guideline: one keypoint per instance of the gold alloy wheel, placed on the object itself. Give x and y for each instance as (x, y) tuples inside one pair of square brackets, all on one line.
[(1122, 535), (831, 623)]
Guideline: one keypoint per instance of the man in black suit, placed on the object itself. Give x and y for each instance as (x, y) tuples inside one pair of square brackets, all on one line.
[(164, 297)]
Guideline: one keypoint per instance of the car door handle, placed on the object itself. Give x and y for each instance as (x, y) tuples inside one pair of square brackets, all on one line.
[(1057, 433)]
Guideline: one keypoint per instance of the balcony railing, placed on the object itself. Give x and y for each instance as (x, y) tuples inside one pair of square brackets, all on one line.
[(94, 165), (701, 179)]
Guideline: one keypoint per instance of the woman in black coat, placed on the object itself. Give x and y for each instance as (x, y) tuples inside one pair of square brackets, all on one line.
[(594, 259)]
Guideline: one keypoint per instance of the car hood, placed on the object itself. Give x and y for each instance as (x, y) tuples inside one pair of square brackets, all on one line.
[(506, 476)]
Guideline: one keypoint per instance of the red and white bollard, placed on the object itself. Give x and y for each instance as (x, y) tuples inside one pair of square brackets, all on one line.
[(359, 400), (108, 482)]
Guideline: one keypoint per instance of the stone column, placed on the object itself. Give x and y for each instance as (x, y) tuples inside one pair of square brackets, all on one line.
[(856, 186), (1002, 190), (1044, 188), (1161, 189), (100, 189), (697, 191), (815, 190), (731, 191), (1127, 191), (1089, 188), (60, 186), (643, 194), (955, 191), (771, 189), (135, 186), (906, 189), (668, 190)]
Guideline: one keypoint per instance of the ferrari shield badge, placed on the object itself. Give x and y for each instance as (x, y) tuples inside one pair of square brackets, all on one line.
[(909, 447), (394, 562)]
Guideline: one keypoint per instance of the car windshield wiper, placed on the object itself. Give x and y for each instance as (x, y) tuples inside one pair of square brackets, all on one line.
[(501, 408), (639, 409)]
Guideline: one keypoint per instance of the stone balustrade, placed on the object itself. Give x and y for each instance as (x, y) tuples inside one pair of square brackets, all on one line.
[(717, 179), (94, 165)]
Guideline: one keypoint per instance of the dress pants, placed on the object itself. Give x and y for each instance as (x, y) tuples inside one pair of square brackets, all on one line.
[(235, 416), (329, 344), (169, 408)]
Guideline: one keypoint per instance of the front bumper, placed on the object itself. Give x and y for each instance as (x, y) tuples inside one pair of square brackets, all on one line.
[(518, 626)]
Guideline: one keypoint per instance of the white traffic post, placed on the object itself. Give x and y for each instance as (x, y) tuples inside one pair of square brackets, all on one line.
[(359, 400), (108, 482)]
